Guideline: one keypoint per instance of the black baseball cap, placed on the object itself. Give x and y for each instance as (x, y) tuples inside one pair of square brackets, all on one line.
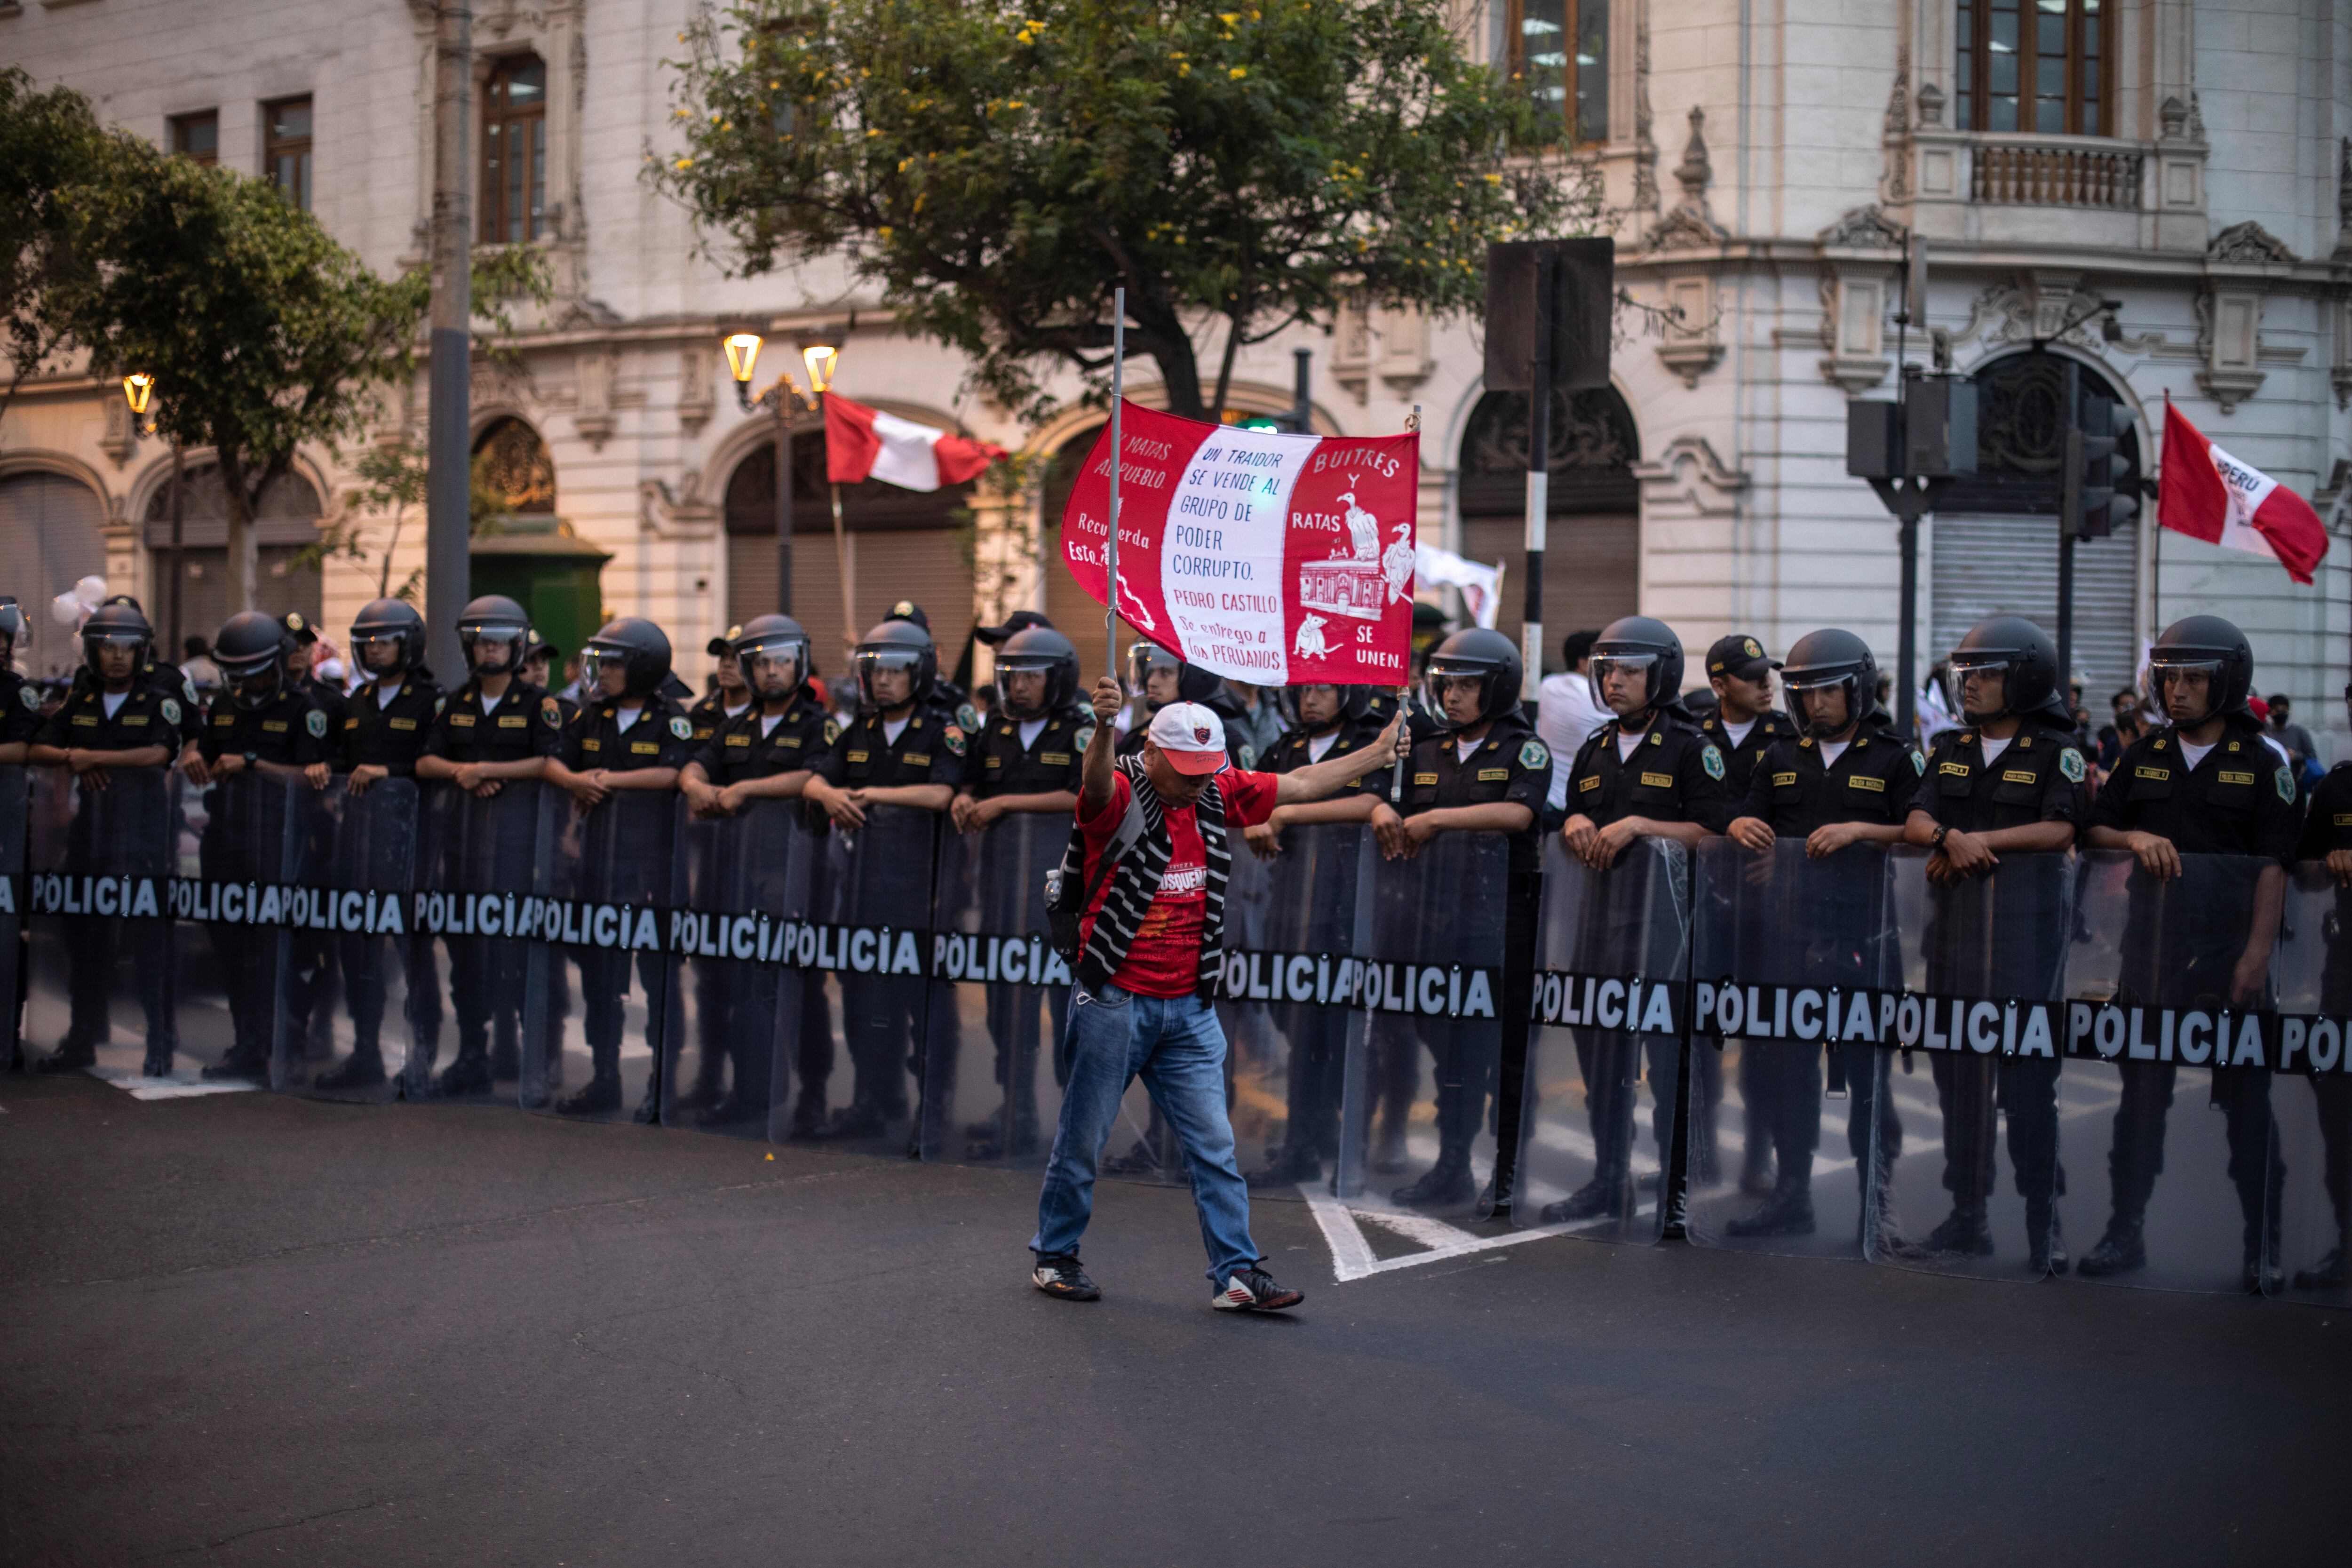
[(1018, 621), (1738, 654), (908, 610), (720, 646), (297, 627)]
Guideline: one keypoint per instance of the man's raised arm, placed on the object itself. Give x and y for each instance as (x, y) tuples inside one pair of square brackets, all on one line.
[(1316, 780)]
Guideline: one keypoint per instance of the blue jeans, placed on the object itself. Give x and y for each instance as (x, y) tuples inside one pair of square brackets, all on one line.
[(1174, 1042)]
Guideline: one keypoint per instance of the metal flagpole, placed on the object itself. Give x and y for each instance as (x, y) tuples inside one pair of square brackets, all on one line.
[(1404, 687), (841, 559), (1118, 391)]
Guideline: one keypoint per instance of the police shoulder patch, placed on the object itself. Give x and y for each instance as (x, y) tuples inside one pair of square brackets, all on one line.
[(2070, 763), (1919, 762), (552, 711), (1084, 738), (2284, 777), (440, 706), (1711, 760), (27, 696), (968, 716), (832, 730), (188, 690), (954, 738), (1249, 756), (316, 722), (1535, 754), (170, 710), (680, 726)]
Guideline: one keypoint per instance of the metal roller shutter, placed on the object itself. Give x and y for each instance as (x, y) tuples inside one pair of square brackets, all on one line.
[(926, 566), (1592, 571), (1990, 566), (49, 538)]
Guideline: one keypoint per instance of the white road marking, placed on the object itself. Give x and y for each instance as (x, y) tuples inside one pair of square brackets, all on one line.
[(1353, 1256)]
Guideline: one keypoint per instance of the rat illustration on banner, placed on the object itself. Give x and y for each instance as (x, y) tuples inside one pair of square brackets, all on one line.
[(1257, 554)]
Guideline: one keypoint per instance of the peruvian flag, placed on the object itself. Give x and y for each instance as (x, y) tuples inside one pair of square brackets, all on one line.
[(862, 442), (1261, 555), (2208, 494)]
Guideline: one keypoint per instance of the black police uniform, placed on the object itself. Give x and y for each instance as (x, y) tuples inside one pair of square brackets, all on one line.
[(626, 858), (1002, 765), (390, 735), (1999, 938), (1313, 909), (125, 830), (1829, 929), (2180, 948), (1739, 760), (708, 714), (245, 840), (1508, 764), (313, 956), (20, 709), (734, 1003), (2329, 828), (488, 846), (878, 1012), (1675, 773)]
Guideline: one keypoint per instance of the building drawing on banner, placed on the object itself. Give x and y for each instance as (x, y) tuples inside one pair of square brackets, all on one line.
[(1363, 581)]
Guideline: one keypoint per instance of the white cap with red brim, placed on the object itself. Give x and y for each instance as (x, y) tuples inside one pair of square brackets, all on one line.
[(1193, 737)]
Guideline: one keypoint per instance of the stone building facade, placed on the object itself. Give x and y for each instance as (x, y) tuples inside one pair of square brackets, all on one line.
[(1762, 165)]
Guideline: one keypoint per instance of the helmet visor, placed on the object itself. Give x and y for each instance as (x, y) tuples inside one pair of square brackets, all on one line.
[(595, 659), (255, 682), (1464, 682), (775, 666), (886, 676), (1989, 673), (1026, 684), (1821, 703), (377, 653), (2188, 688), (489, 646), (1634, 676), (1143, 658)]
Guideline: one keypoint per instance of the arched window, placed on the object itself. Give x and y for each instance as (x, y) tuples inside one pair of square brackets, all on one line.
[(512, 471), (49, 537), (514, 151), (1592, 566), (285, 523)]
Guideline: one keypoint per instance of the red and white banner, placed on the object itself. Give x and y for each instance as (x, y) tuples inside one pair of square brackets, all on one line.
[(2208, 494), (1263, 556), (862, 442)]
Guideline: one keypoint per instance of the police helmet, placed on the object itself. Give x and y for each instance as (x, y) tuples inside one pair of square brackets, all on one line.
[(118, 626), (1039, 649), (895, 644), (640, 648), (1354, 701), (494, 621), (387, 622), (251, 652), (1193, 684), (1642, 646), (1825, 660), (1489, 657), (774, 637), (13, 625), (2209, 645), (2025, 656)]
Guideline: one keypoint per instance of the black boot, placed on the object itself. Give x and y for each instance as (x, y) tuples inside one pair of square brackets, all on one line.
[(2327, 1274), (506, 1058), (158, 1062), (1285, 1167), (1446, 1185), (648, 1110), (2045, 1244), (2120, 1251), (71, 1056), (1787, 1212), (363, 1069), (860, 1119), (1597, 1198), (600, 1096), (808, 1113), (1963, 1232), (241, 1062), (469, 1074)]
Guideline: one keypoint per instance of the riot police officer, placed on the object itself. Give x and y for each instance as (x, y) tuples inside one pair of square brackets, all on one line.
[(496, 729), (383, 732), (2010, 784), (898, 751), (767, 750), (1484, 772), (262, 726), (631, 737), (728, 697), (114, 723), (2327, 836), (1326, 721), (1025, 762), (2207, 782), (951, 701), (1164, 678), (1648, 772), (20, 699), (1743, 727), (1848, 779)]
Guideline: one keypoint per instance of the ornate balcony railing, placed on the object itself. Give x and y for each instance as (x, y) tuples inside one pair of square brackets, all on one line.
[(2068, 171)]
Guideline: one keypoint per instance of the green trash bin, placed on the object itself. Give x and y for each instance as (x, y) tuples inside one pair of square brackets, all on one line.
[(536, 560)]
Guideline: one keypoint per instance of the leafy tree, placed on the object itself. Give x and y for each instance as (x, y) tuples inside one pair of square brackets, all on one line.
[(262, 332), (997, 167), (50, 144)]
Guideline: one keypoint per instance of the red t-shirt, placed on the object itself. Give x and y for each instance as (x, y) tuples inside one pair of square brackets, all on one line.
[(1164, 960)]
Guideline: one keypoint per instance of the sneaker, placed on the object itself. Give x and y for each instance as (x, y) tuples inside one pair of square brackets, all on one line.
[(1254, 1290), (1063, 1278)]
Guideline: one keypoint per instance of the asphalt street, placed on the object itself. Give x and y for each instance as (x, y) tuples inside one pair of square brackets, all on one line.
[(250, 1329)]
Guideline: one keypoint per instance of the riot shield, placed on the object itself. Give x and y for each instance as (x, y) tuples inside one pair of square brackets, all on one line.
[(2158, 978), (264, 831), (1424, 1045), (1985, 970), (872, 947), (1792, 960), (1597, 1132), (99, 964), (349, 915), (481, 861), (2313, 1097), (729, 1062), (993, 1066), (16, 784), (609, 881)]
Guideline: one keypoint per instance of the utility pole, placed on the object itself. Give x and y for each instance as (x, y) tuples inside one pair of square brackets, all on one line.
[(2070, 527), (1539, 499), (448, 570)]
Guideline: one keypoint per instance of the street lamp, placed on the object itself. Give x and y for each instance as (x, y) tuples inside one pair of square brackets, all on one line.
[(821, 353), (138, 388)]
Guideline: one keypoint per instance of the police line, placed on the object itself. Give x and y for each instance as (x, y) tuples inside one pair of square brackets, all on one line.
[(2306, 1044)]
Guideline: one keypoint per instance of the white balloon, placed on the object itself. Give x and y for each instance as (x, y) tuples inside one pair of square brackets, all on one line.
[(68, 611), (90, 590)]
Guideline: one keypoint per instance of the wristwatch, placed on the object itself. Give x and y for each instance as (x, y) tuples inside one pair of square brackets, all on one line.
[(1937, 841)]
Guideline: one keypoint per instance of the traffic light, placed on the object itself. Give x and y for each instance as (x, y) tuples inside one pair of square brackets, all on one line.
[(2110, 478)]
